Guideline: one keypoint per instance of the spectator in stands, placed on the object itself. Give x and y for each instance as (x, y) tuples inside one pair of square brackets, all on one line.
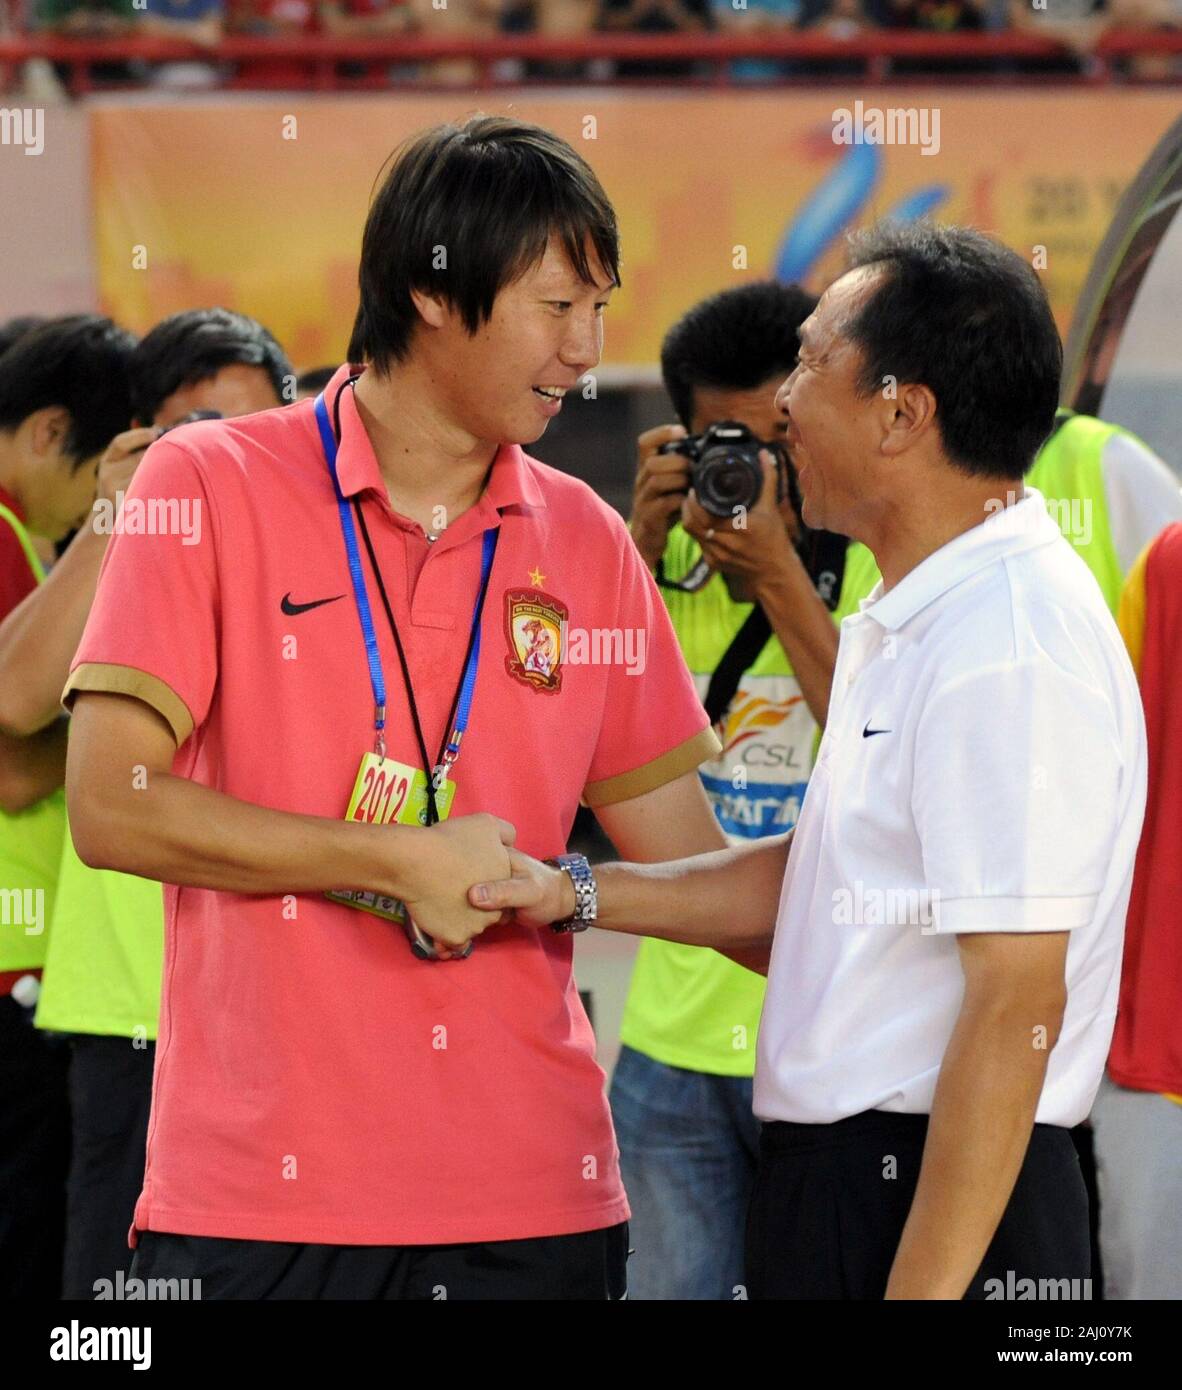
[(473, 19), (655, 17), (838, 19), (932, 16), (935, 17), (1076, 24), (89, 19), (198, 21), (349, 19), (747, 17), (555, 19), (841, 19), (272, 18), (1148, 14)]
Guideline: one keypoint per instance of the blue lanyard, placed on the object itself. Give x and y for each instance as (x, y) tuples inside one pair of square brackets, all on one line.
[(463, 705)]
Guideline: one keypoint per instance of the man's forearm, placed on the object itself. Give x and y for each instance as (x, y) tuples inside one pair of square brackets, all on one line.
[(727, 899), (982, 1117), (179, 832), (39, 637), (805, 629), (31, 768)]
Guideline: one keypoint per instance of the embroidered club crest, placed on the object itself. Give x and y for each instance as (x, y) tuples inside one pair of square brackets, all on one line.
[(534, 624)]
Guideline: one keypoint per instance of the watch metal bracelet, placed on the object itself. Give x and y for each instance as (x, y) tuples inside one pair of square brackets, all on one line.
[(578, 869)]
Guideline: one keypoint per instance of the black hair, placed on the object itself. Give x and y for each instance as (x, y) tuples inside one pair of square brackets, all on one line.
[(196, 344), (355, 352), (14, 329), (81, 363), (735, 340), (315, 378), (962, 314), (488, 194)]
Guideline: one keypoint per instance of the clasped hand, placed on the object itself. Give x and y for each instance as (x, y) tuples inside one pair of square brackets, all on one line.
[(467, 877)]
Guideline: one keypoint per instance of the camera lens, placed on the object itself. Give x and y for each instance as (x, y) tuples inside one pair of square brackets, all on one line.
[(727, 478)]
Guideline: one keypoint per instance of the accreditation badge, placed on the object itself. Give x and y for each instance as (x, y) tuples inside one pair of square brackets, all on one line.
[(387, 792)]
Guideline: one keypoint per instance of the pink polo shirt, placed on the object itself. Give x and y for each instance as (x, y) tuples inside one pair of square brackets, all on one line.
[(314, 1081)]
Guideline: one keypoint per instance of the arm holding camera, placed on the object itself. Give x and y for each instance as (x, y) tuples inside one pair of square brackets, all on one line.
[(662, 481), (759, 553)]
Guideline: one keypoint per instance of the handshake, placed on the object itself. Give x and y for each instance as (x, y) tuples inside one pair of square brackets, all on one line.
[(463, 876)]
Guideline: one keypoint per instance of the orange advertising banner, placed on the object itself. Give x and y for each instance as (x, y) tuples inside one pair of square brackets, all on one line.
[(259, 204)]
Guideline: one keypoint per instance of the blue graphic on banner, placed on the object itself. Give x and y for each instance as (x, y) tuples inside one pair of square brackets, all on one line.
[(830, 207), (840, 197), (756, 810)]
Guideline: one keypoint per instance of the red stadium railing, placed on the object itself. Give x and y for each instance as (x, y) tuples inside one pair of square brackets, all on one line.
[(315, 62)]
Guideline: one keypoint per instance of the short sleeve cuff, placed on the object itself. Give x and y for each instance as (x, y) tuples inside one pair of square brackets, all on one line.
[(955, 915), (667, 768), (128, 680)]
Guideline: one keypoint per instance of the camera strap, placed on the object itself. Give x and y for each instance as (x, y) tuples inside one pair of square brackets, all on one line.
[(745, 646), (826, 566)]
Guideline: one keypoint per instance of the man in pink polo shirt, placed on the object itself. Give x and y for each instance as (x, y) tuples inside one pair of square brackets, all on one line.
[(375, 605)]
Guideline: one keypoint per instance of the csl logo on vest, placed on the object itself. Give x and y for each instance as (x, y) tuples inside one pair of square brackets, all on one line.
[(756, 784)]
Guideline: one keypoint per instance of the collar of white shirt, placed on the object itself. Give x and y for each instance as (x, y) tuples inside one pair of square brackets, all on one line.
[(1008, 530)]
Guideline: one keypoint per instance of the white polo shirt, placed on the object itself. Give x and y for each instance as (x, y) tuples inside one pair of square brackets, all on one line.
[(983, 769)]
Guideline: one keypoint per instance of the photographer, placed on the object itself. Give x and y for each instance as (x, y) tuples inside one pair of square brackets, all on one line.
[(761, 643), (103, 965)]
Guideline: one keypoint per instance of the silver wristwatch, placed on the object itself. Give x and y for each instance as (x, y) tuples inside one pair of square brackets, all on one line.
[(586, 894)]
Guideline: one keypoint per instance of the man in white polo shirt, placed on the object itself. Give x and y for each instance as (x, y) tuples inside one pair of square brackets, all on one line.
[(947, 943)]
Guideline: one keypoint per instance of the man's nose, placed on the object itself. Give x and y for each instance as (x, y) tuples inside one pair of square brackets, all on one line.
[(583, 345)]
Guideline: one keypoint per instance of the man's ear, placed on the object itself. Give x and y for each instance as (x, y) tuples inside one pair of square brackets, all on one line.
[(908, 415), (48, 429), (432, 308)]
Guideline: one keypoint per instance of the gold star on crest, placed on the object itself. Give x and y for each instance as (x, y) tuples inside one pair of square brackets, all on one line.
[(536, 578)]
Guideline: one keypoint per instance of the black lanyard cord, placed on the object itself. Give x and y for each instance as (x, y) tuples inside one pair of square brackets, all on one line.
[(432, 812), (428, 769)]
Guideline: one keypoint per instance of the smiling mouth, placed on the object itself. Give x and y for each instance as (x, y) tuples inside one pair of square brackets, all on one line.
[(550, 393)]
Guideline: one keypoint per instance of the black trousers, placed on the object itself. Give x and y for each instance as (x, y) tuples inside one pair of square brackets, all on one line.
[(829, 1208), (34, 1153), (588, 1265), (110, 1099)]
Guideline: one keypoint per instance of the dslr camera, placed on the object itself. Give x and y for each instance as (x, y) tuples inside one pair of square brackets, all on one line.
[(725, 474), (725, 471)]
